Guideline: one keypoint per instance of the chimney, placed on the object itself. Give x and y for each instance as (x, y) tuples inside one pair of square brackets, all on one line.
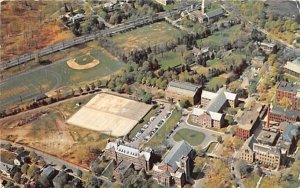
[(203, 7), (268, 118)]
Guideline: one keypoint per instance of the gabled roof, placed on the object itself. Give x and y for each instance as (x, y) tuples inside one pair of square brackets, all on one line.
[(217, 102), (294, 114), (215, 13), (289, 87), (179, 150), (290, 132), (208, 95), (183, 88), (214, 115)]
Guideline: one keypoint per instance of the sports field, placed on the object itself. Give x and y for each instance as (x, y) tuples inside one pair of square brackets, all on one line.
[(45, 78), (146, 36), (110, 114)]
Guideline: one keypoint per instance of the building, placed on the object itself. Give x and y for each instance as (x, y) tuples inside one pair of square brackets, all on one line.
[(6, 161), (268, 136), (246, 151), (279, 114), (211, 115), (289, 137), (122, 171), (49, 173), (215, 14), (253, 151), (178, 90), (201, 17), (119, 152), (268, 47), (293, 67), (290, 91), (175, 168), (61, 179), (258, 61), (247, 123)]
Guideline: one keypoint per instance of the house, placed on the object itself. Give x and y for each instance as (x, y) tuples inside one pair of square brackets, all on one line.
[(61, 179), (290, 91), (215, 14), (6, 161), (293, 67), (178, 90), (175, 168), (268, 47), (289, 137), (258, 61), (119, 152), (211, 115), (248, 122), (203, 51), (279, 114), (78, 18)]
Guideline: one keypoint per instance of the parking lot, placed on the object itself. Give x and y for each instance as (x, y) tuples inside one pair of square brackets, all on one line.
[(151, 127)]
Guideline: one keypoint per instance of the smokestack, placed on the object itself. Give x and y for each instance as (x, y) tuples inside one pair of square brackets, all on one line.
[(268, 117), (203, 7)]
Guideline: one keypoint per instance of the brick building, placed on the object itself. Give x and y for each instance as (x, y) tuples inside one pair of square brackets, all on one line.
[(119, 152), (289, 137), (175, 168), (293, 67), (178, 90), (279, 114), (248, 122), (290, 91), (246, 151), (211, 115)]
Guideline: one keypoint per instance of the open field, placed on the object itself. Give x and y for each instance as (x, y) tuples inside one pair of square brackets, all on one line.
[(170, 59), (50, 133), (214, 82), (165, 129), (53, 76), (192, 137), (110, 114), (146, 36), (27, 26), (218, 39)]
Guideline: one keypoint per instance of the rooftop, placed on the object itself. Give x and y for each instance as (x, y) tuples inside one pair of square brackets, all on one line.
[(219, 100), (214, 13), (290, 132), (285, 112), (179, 150), (266, 150), (7, 157), (294, 65), (248, 119), (267, 136), (214, 115), (288, 87), (183, 88), (248, 144)]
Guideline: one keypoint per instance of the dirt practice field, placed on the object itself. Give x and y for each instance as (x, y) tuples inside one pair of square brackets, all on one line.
[(56, 75), (146, 36), (110, 114)]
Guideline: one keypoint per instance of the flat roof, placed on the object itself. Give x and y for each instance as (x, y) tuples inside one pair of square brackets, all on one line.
[(267, 136), (248, 119)]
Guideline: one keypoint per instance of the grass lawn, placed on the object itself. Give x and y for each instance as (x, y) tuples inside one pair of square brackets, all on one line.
[(84, 59), (170, 59), (219, 38), (53, 76), (291, 78), (146, 36), (138, 127), (165, 129), (211, 85), (251, 181), (211, 147), (193, 137), (213, 62)]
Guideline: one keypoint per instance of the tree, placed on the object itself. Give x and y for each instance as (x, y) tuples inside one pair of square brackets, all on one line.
[(285, 103), (24, 168), (184, 103), (32, 171), (99, 83), (63, 167), (17, 177), (243, 168), (80, 90), (219, 139), (233, 131), (199, 163), (147, 98), (87, 88), (32, 155)]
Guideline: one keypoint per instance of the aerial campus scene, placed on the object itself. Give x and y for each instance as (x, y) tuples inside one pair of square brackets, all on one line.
[(150, 93)]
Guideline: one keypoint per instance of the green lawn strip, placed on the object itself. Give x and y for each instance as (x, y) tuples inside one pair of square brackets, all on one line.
[(138, 127), (193, 137), (251, 181), (216, 81), (158, 138), (291, 78), (170, 59), (211, 147), (213, 62)]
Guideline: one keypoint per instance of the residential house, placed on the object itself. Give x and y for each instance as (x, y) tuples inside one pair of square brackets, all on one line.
[(49, 172), (293, 67), (178, 90), (211, 115), (247, 123), (290, 91), (268, 47), (175, 168)]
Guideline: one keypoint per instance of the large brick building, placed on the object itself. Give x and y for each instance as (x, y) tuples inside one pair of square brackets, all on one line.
[(247, 124), (178, 90), (290, 91), (211, 115), (175, 168), (128, 157), (279, 114)]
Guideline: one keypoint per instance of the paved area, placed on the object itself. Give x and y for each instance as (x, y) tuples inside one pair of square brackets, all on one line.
[(141, 138)]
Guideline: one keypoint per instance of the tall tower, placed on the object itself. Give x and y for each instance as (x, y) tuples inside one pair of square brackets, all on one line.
[(268, 117), (203, 7)]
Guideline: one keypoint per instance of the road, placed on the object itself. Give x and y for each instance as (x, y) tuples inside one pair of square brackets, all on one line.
[(86, 38)]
